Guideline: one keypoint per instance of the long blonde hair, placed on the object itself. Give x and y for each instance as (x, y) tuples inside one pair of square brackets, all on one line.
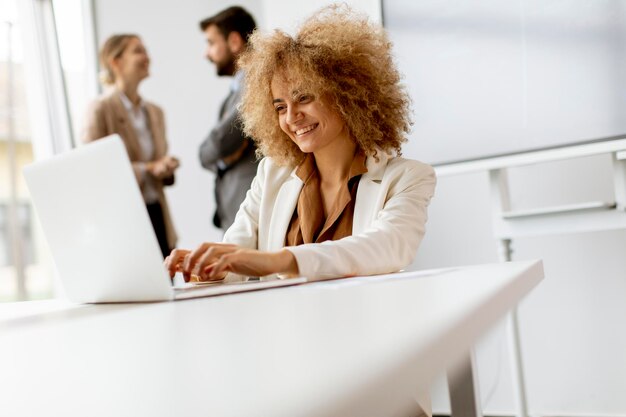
[(113, 48)]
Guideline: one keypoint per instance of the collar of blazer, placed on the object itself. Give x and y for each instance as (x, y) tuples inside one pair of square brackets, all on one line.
[(127, 132), (130, 136), (369, 200), (375, 169)]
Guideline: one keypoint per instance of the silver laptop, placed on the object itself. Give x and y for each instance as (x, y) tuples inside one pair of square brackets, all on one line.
[(99, 232)]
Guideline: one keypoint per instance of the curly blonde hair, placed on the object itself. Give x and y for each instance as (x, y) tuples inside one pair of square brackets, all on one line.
[(338, 54)]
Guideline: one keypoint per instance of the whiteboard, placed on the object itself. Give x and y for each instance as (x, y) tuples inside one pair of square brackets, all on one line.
[(490, 77)]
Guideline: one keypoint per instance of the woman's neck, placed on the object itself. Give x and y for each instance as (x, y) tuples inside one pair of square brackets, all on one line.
[(334, 161), (130, 89)]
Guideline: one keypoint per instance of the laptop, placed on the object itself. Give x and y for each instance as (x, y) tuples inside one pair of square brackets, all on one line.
[(97, 227)]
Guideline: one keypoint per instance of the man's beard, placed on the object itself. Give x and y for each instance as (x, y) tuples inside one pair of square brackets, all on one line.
[(227, 67)]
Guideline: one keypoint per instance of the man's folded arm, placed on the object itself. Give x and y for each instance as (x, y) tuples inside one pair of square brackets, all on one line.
[(223, 141)]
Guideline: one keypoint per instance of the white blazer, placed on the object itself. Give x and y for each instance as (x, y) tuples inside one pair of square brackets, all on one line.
[(387, 228)]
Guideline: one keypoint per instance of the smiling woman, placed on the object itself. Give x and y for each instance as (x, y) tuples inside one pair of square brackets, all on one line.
[(332, 196)]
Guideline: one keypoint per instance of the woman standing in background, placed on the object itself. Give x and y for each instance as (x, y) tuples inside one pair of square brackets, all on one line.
[(140, 124)]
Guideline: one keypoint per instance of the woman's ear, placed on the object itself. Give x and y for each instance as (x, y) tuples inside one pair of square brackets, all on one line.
[(114, 64), (235, 42)]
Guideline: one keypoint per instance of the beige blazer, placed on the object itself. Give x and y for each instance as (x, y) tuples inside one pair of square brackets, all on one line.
[(106, 116), (388, 224)]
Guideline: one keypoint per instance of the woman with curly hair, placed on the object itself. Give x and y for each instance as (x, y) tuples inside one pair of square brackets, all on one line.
[(332, 196)]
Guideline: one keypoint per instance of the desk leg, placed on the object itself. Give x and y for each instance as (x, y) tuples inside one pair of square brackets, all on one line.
[(463, 387), (518, 369), (519, 382), (505, 251)]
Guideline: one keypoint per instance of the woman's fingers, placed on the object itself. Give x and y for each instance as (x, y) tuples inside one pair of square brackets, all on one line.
[(212, 261), (210, 273), (209, 261), (164, 167), (173, 263), (173, 163), (194, 255), (203, 262), (248, 262), (220, 268), (197, 261)]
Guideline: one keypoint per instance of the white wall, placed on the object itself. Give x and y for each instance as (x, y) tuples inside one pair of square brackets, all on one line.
[(288, 14), (572, 324)]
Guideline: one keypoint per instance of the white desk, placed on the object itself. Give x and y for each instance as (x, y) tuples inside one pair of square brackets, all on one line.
[(357, 347)]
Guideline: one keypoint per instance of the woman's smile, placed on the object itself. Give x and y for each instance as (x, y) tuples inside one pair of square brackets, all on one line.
[(305, 130)]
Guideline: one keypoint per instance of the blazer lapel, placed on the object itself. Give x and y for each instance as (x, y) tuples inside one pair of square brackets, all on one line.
[(368, 196), (230, 103), (287, 200), (123, 123), (158, 135)]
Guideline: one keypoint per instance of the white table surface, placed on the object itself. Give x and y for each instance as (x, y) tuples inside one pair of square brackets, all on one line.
[(355, 347)]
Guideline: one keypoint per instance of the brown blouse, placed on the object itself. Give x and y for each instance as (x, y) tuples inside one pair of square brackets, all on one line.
[(308, 224)]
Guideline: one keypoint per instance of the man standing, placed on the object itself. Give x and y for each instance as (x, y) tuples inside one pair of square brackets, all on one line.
[(227, 151)]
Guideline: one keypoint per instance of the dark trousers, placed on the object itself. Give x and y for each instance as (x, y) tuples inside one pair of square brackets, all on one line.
[(156, 217)]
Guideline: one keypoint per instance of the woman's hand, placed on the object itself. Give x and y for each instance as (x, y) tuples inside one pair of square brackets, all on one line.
[(252, 262), (212, 261), (163, 167)]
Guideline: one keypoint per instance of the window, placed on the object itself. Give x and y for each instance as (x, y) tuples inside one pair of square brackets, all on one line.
[(22, 273), (43, 77), (78, 61)]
